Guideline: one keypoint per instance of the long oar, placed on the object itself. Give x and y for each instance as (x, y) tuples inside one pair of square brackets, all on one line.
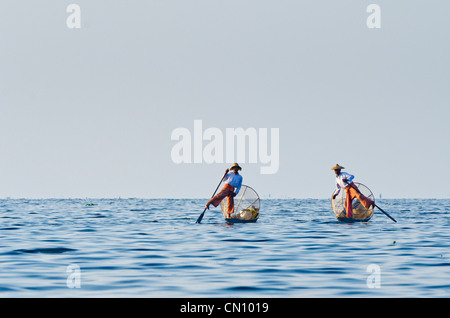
[(203, 213), (386, 213)]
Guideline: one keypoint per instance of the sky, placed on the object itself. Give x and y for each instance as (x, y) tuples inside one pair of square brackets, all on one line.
[(89, 111)]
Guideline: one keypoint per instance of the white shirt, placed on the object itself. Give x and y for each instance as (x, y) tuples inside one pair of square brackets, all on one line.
[(340, 183), (234, 180)]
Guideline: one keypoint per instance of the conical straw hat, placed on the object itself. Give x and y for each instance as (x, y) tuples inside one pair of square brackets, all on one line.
[(235, 166), (337, 167)]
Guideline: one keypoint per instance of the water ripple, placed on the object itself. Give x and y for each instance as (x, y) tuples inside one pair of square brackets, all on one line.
[(154, 248), (54, 250)]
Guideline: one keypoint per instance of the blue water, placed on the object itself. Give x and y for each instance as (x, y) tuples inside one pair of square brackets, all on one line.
[(154, 248)]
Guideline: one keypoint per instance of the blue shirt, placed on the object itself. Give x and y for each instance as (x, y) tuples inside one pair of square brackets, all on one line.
[(234, 180)]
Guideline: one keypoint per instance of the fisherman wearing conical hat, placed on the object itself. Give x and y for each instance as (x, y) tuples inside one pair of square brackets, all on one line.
[(344, 181), (233, 183)]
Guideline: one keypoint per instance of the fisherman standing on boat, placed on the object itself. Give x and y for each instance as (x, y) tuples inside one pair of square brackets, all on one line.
[(345, 180), (233, 182)]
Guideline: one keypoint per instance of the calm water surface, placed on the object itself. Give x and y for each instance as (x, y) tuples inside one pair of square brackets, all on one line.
[(154, 248)]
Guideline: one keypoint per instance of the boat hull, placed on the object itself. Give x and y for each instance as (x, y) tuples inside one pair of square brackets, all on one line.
[(231, 220), (352, 220)]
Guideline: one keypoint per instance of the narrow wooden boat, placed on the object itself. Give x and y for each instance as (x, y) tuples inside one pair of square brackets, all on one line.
[(235, 220)]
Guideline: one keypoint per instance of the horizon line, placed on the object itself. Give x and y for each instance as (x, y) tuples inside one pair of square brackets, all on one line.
[(198, 198)]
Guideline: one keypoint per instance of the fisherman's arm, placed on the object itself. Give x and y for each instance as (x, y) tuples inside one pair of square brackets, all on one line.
[(226, 178), (348, 178), (238, 187), (336, 192)]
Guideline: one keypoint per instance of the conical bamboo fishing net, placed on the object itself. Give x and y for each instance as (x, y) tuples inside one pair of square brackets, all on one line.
[(246, 204), (360, 213)]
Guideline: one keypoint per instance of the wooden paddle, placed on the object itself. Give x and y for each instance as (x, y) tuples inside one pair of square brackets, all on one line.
[(385, 213), (203, 213)]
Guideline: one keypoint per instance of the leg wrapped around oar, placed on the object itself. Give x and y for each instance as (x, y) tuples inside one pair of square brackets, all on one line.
[(226, 192), (352, 192), (199, 219)]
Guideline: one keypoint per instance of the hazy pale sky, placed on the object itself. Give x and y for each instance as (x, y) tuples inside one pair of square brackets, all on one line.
[(89, 112)]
